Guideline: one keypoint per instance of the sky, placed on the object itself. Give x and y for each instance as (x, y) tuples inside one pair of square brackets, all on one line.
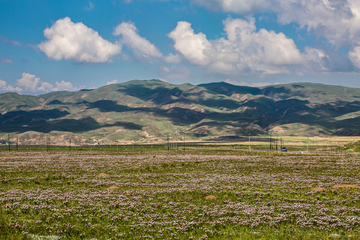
[(70, 45)]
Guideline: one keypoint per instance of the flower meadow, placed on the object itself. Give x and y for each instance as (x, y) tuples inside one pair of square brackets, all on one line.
[(178, 195)]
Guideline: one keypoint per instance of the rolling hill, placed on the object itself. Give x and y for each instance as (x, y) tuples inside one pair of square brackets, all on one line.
[(151, 110)]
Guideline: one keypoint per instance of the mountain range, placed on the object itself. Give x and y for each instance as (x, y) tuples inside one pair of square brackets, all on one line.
[(151, 110)]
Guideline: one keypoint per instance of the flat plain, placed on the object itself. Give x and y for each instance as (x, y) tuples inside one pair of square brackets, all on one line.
[(203, 194)]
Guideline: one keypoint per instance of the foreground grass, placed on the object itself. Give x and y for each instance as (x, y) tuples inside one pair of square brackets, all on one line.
[(163, 195)]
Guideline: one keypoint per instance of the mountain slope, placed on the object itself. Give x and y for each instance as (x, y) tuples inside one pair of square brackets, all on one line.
[(153, 109)]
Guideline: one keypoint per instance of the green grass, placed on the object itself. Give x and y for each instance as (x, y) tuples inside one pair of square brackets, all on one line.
[(162, 195), (236, 148)]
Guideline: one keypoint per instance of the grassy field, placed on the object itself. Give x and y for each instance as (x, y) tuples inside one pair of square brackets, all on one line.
[(293, 143), (196, 194)]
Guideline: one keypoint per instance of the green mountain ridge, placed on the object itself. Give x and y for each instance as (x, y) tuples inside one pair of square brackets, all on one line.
[(149, 110)]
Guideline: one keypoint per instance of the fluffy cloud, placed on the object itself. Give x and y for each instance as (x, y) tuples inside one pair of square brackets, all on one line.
[(30, 83), (6, 60), (173, 58), (75, 41), (8, 88), (256, 84), (318, 61), (142, 49), (174, 73), (64, 86), (44, 87), (241, 7), (112, 82), (354, 56), (245, 50), (194, 47), (336, 20)]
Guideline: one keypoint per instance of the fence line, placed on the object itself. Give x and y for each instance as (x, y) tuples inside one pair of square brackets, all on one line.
[(171, 146), (171, 143)]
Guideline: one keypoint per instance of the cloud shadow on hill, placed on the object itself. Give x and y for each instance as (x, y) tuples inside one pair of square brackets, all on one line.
[(65, 125), (176, 115)]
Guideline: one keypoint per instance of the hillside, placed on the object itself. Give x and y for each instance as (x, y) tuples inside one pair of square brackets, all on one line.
[(150, 110)]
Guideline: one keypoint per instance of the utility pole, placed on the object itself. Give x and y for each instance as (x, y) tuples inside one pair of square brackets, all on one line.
[(168, 138), (270, 140), (249, 142)]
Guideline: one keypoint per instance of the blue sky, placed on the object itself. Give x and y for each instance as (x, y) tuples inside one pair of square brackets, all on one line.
[(67, 45)]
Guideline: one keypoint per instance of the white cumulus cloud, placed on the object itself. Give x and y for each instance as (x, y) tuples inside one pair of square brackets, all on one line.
[(44, 87), (142, 48), (194, 47), (174, 73), (245, 51), (112, 82), (173, 58), (354, 56), (236, 6), (326, 61), (64, 86), (255, 84), (315, 58), (8, 88), (338, 21), (30, 83), (75, 41)]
